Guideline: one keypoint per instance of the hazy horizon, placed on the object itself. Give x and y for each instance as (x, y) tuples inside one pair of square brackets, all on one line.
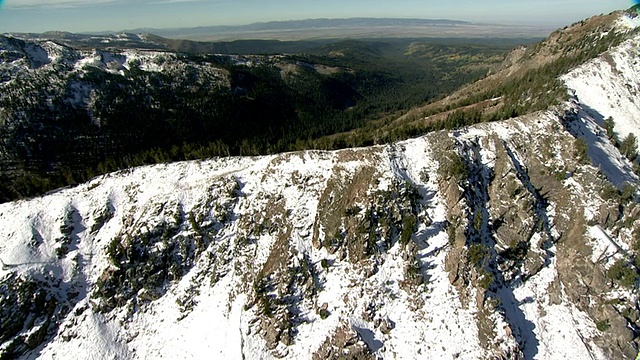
[(116, 15)]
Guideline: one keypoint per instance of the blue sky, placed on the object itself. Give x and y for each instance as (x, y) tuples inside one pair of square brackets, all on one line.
[(100, 15)]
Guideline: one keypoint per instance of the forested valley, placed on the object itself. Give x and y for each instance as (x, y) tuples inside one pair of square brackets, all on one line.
[(63, 123)]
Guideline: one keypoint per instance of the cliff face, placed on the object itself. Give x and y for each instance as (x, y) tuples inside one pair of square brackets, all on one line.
[(507, 240)]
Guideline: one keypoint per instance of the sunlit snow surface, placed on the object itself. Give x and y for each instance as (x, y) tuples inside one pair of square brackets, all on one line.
[(609, 86), (219, 323), (219, 327)]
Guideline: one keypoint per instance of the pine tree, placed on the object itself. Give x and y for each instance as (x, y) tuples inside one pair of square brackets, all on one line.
[(608, 127), (629, 147), (581, 149)]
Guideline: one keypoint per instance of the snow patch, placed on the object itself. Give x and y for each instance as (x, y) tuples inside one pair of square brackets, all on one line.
[(609, 86)]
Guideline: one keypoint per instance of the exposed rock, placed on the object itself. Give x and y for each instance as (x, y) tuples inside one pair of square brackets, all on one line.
[(456, 267), (343, 344), (149, 295), (608, 214), (386, 326), (38, 335), (496, 252)]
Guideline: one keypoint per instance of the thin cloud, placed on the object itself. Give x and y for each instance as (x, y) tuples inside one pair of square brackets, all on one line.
[(44, 4), (173, 1), (49, 4)]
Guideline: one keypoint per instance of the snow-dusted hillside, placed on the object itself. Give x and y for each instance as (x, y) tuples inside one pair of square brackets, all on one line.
[(248, 211), (68, 114), (610, 85), (315, 254), (43, 57), (502, 240)]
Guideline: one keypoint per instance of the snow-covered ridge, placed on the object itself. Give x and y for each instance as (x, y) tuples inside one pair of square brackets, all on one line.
[(236, 223), (627, 22), (46, 55), (116, 63), (153, 333), (492, 241), (609, 86)]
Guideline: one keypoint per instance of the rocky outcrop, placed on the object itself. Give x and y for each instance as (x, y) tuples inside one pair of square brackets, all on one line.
[(491, 241)]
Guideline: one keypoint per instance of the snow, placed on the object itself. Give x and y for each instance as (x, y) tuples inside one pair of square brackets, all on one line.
[(449, 329), (602, 152), (608, 86), (559, 328), (151, 61), (563, 333), (175, 339), (115, 63), (429, 321), (603, 245), (157, 332), (92, 59), (36, 54), (627, 22)]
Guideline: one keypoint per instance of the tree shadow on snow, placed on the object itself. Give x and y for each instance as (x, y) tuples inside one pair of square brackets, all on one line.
[(369, 338), (602, 153)]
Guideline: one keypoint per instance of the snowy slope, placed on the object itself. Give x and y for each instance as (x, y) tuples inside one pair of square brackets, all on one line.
[(372, 299), (492, 241), (610, 84), (156, 332)]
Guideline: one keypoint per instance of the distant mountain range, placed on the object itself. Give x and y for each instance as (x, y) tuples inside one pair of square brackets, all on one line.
[(284, 36), (303, 25), (324, 29), (353, 27)]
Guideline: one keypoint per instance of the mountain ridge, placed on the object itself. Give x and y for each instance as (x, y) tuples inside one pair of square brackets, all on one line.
[(323, 30), (346, 28), (118, 207), (185, 106), (509, 239), (315, 23)]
